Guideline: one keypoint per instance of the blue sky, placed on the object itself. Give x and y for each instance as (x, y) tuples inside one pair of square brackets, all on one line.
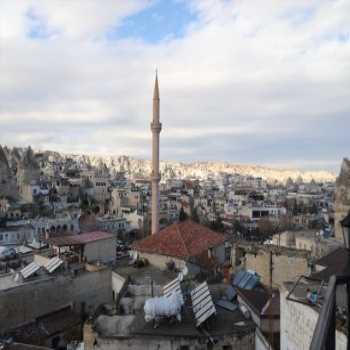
[(163, 20), (259, 82)]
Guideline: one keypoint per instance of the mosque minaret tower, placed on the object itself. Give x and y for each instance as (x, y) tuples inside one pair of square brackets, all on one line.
[(156, 127)]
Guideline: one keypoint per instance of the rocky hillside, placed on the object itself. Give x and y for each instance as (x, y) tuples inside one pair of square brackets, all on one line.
[(203, 169), (174, 169)]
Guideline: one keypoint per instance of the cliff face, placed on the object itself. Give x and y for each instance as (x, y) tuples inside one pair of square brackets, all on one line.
[(342, 197), (7, 183), (18, 168), (173, 169), (23, 163)]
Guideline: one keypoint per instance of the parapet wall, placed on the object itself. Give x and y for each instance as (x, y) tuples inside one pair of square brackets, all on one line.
[(24, 303)]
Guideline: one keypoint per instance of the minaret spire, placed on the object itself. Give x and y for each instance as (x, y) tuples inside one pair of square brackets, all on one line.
[(156, 127), (156, 88)]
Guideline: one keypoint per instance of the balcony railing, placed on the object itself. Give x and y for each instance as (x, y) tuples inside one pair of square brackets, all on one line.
[(324, 334)]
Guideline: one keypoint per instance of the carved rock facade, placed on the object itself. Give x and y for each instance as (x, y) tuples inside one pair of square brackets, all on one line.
[(342, 197)]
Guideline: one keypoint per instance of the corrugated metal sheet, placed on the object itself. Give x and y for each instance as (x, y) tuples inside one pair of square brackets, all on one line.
[(227, 305), (238, 277), (252, 282), (53, 264), (30, 269), (202, 303), (246, 279)]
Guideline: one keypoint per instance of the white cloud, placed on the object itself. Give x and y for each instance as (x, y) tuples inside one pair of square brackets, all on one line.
[(246, 71), (75, 19)]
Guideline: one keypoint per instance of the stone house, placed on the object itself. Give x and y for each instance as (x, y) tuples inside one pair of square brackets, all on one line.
[(184, 244), (90, 246), (22, 301), (18, 234), (287, 263)]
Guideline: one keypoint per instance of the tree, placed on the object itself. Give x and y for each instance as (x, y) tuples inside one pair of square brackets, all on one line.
[(237, 227), (84, 204), (266, 227), (183, 216), (195, 216), (313, 208), (96, 210), (217, 225)]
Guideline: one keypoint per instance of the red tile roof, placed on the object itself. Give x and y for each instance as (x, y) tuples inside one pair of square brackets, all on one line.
[(79, 239), (182, 240)]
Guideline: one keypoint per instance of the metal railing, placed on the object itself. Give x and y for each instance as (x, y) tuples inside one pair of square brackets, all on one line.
[(325, 330)]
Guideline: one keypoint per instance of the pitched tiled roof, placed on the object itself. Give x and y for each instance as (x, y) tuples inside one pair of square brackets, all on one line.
[(182, 240)]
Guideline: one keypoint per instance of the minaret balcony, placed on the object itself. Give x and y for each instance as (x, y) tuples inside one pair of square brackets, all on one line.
[(155, 177), (156, 126)]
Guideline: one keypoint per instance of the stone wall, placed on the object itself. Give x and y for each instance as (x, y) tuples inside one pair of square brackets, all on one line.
[(102, 250), (298, 323), (287, 264), (27, 301), (161, 261), (342, 197), (243, 342)]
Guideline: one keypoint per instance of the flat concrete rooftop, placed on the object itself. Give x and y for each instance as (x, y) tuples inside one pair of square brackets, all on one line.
[(7, 281), (224, 323), (143, 275)]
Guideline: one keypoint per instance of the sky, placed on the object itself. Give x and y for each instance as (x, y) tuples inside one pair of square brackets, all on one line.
[(246, 81)]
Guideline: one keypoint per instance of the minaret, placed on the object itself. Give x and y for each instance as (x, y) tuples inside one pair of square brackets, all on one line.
[(156, 127)]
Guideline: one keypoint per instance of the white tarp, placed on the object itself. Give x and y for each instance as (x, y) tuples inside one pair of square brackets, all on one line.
[(156, 308)]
